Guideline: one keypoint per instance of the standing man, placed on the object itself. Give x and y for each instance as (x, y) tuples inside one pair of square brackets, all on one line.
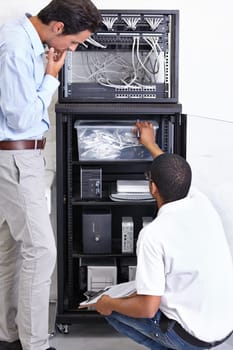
[(184, 276), (27, 247)]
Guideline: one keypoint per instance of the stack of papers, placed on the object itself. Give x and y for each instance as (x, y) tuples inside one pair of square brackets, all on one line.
[(116, 291)]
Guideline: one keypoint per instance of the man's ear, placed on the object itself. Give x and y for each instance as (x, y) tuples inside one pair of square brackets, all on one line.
[(153, 189), (58, 27)]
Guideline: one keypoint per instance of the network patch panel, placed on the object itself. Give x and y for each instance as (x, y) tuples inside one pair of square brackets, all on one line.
[(133, 55)]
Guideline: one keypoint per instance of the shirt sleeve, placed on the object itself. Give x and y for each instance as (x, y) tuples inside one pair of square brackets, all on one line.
[(150, 276), (24, 101)]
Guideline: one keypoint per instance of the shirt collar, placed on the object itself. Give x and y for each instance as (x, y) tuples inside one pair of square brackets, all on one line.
[(173, 205), (33, 35)]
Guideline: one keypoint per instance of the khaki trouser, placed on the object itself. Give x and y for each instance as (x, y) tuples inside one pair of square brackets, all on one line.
[(27, 249)]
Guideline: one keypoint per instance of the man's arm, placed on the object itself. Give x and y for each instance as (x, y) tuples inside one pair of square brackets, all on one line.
[(139, 306), (147, 138)]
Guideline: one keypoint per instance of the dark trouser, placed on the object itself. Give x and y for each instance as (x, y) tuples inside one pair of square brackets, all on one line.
[(157, 333)]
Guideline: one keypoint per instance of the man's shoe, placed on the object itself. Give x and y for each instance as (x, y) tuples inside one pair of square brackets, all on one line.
[(51, 349), (15, 345)]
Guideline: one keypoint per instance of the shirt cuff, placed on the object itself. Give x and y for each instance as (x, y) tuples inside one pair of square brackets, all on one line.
[(50, 83)]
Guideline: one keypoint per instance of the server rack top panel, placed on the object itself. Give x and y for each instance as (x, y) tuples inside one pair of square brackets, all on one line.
[(133, 57)]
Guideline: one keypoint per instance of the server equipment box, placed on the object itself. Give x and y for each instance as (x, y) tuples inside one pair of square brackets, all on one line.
[(133, 57), (97, 232)]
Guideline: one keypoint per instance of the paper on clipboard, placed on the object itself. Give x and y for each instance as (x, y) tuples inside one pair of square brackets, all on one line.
[(117, 291)]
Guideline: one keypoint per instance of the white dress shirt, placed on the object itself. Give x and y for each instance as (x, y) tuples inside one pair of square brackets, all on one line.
[(184, 257)]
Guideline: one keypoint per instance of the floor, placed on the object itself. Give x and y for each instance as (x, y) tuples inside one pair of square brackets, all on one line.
[(96, 334)]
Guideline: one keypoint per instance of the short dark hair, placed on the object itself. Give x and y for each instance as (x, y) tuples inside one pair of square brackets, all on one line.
[(172, 175), (77, 15)]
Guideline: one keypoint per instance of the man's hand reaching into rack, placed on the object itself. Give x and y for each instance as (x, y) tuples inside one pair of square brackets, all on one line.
[(148, 137)]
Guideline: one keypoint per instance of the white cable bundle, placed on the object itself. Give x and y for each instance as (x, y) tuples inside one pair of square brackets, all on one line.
[(118, 72), (131, 22), (109, 22), (95, 43), (153, 22)]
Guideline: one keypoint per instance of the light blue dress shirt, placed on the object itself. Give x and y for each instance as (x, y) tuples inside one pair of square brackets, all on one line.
[(25, 90)]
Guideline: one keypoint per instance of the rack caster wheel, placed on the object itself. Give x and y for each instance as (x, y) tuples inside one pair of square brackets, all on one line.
[(62, 328)]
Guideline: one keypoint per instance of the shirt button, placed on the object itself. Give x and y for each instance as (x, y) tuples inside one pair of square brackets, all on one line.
[(156, 334), (155, 322)]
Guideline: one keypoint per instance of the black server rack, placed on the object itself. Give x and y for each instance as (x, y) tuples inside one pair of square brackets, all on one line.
[(133, 57), (96, 148)]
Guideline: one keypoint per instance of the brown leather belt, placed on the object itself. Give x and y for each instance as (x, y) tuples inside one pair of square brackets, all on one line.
[(22, 144)]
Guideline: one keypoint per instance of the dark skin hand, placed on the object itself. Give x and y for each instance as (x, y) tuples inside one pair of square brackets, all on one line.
[(147, 138)]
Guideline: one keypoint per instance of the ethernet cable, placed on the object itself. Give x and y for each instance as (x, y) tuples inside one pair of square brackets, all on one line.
[(160, 59), (130, 74), (131, 22), (109, 22), (103, 65), (143, 63), (95, 43), (153, 22)]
